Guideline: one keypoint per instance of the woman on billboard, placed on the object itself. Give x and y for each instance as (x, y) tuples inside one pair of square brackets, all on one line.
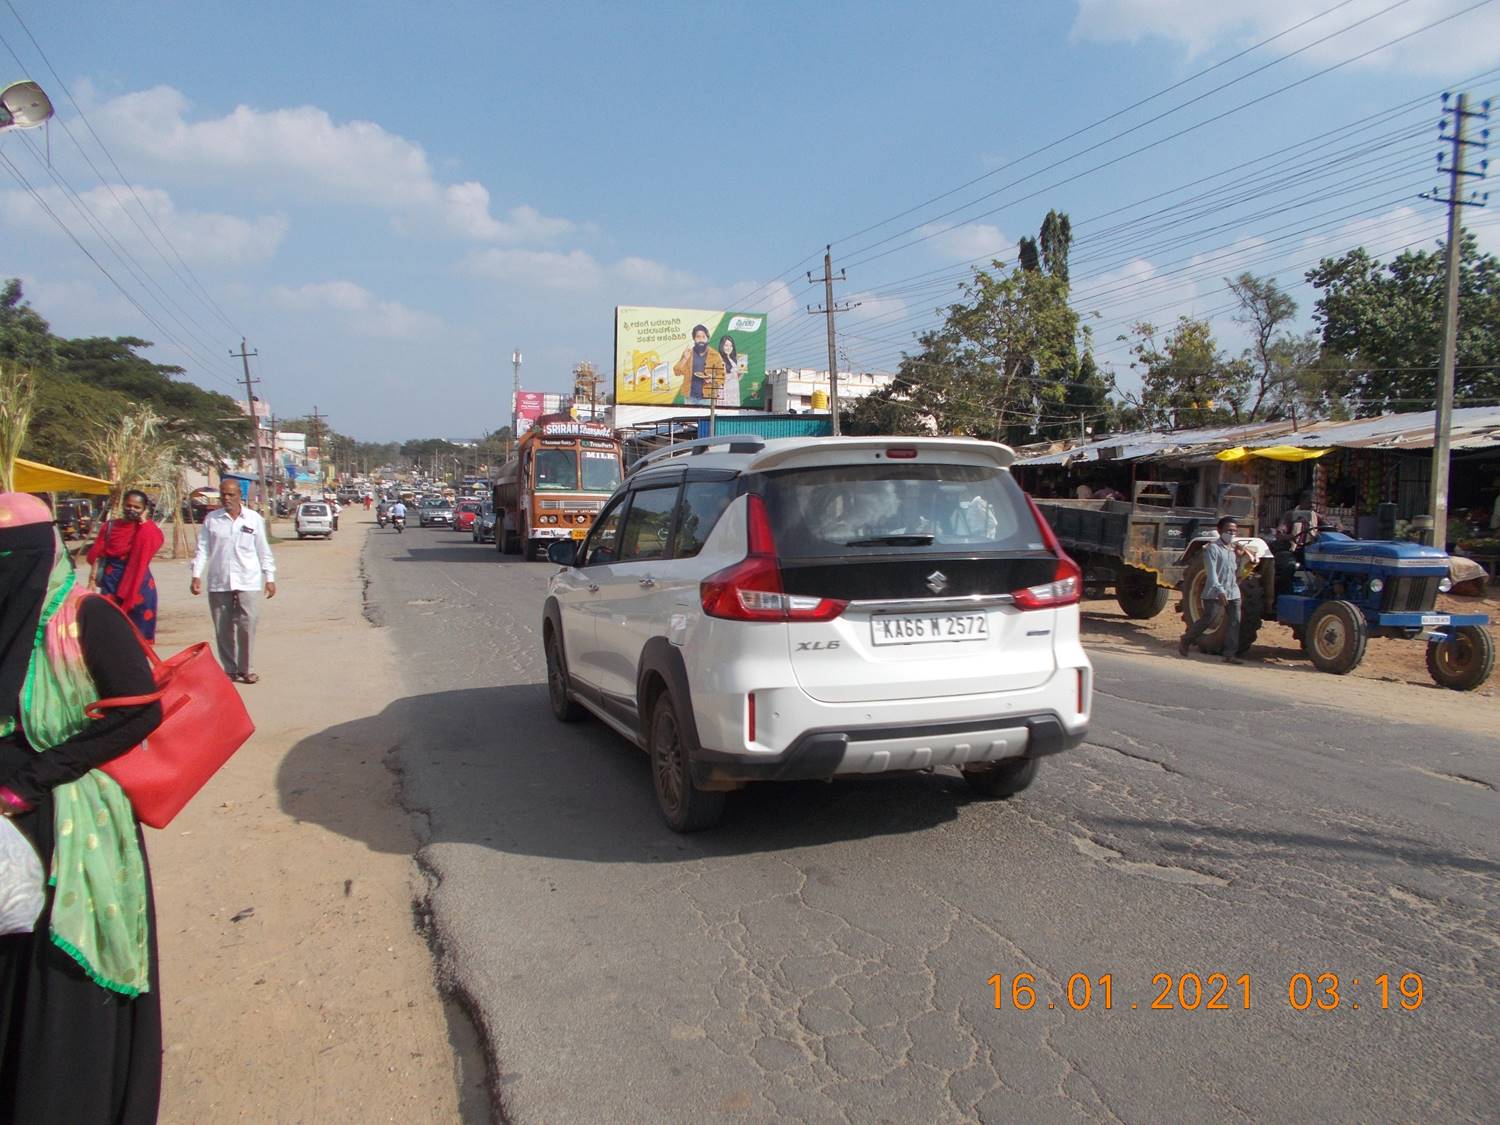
[(729, 387)]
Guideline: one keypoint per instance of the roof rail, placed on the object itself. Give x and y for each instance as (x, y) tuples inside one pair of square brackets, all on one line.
[(738, 443)]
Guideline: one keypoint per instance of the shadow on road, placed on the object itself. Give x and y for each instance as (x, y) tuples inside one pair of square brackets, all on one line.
[(445, 547), (1223, 842), (491, 767)]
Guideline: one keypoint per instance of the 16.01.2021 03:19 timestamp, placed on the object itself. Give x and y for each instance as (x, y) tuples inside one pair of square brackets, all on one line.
[(1213, 992)]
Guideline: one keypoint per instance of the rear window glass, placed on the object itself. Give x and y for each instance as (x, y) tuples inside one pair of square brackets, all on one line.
[(880, 509), (314, 510), (703, 502)]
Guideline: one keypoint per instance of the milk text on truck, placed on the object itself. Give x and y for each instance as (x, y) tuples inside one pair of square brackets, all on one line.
[(553, 488)]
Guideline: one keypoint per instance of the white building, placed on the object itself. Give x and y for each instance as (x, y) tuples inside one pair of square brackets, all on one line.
[(792, 389)]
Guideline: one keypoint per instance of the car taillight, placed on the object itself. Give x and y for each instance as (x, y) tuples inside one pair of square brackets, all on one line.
[(751, 589), (1066, 587)]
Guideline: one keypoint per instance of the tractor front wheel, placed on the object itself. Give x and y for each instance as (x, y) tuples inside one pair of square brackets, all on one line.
[(1463, 661), (1335, 637)]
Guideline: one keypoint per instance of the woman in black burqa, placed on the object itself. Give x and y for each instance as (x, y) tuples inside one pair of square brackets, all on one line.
[(76, 1046)]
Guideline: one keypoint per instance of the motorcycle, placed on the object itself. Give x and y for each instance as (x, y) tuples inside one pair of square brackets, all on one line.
[(400, 523)]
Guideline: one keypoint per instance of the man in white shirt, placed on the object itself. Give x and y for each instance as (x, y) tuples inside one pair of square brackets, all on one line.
[(235, 558)]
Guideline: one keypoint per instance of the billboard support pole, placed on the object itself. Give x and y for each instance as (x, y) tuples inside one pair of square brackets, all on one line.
[(515, 393)]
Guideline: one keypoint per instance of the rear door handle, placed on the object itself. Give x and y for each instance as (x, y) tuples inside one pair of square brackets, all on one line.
[(593, 587), (648, 582)]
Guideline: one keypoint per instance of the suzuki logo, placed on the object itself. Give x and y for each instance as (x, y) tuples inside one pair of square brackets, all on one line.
[(937, 581)]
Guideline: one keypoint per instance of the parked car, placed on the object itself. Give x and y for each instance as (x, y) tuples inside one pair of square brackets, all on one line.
[(465, 512), (434, 511), (484, 525), (314, 518), (816, 608)]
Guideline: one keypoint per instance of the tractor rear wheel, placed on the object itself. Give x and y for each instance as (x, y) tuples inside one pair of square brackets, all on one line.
[(1252, 608), (1138, 594), (1464, 661), (1335, 637)]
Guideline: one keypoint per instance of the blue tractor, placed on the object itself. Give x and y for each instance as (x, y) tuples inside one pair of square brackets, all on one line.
[(1336, 592)]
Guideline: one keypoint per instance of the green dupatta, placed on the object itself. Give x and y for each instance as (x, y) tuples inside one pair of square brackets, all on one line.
[(98, 872)]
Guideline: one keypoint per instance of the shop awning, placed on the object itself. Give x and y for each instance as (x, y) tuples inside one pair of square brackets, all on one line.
[(1273, 452), (33, 476)]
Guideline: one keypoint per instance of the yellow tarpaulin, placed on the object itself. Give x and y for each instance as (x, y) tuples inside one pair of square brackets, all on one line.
[(33, 476), (1273, 452)]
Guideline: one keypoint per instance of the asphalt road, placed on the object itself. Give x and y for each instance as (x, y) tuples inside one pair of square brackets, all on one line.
[(826, 954)]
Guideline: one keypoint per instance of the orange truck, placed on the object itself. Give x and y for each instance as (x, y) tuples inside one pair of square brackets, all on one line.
[(554, 486)]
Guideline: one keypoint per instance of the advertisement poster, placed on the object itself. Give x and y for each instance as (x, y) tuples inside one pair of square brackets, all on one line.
[(690, 357), (530, 405)]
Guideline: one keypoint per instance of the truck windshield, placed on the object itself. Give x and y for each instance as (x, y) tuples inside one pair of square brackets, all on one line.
[(556, 470), (932, 508), (601, 471)]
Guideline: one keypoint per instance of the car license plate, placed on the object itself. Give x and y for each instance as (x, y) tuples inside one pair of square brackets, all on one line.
[(1435, 619), (579, 533), (929, 628)]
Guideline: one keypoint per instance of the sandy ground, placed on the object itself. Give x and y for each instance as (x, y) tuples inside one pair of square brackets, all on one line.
[(1392, 679), (296, 986)]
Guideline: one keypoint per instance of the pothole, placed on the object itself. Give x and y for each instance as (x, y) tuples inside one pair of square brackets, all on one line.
[(1166, 872), (1456, 778)]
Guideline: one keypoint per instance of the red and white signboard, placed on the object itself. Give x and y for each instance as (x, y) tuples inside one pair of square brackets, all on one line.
[(529, 405)]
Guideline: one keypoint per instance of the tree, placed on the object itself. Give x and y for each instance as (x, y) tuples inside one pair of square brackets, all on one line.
[(25, 338), (1184, 378), (1264, 308), (1380, 326)]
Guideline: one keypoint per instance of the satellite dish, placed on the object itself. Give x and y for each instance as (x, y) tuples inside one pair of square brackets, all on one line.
[(24, 105)]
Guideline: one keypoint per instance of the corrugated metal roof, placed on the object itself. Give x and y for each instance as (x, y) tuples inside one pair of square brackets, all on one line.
[(1474, 428)]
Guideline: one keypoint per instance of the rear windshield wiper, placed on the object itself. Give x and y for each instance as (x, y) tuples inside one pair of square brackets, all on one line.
[(891, 541)]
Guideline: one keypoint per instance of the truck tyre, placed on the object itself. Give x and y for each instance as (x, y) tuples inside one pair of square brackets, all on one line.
[(683, 807), (1000, 780), (1464, 661), (1138, 594), (1336, 636), (564, 709)]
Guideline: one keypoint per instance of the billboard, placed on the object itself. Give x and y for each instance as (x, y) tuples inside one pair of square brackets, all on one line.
[(690, 357), (529, 405)]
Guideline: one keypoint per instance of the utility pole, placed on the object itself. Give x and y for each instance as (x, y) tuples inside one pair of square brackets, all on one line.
[(515, 396), (317, 436), (260, 460), (1455, 199), (828, 309)]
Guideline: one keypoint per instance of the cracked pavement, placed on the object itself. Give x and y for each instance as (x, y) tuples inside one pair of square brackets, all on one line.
[(824, 956)]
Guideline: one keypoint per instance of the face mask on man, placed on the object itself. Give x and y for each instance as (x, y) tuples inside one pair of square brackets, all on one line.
[(1226, 538)]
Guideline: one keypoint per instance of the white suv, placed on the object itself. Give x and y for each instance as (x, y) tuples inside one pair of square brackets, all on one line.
[(749, 610)]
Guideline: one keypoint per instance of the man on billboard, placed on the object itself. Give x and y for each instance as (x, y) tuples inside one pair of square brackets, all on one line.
[(702, 366)]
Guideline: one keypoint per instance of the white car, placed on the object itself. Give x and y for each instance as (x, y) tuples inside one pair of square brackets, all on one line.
[(749, 610), (314, 519)]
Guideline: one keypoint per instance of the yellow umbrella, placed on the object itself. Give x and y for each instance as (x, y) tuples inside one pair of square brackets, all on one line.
[(1274, 452), (33, 476)]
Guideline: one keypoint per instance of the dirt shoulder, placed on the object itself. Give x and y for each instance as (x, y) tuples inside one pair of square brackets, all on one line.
[(295, 986), (1392, 680)]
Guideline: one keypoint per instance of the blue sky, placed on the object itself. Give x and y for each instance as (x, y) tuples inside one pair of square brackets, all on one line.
[(386, 199)]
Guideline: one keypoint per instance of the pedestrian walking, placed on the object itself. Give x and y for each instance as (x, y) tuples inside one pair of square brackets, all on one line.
[(235, 559), (1221, 592), (121, 562), (80, 1015)]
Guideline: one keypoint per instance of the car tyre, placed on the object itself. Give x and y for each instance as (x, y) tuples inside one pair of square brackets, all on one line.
[(1464, 661), (564, 709), (1001, 780), (684, 807), (1335, 637)]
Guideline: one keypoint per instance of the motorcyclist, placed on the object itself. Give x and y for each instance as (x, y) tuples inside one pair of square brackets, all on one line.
[(398, 514)]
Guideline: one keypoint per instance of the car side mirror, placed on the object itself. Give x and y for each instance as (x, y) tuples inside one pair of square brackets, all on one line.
[(563, 552)]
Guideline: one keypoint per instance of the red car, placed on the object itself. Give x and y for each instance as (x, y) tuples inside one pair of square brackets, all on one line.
[(465, 512)]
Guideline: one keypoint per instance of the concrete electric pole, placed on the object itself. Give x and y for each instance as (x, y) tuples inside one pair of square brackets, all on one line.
[(828, 309), (515, 395), (1455, 199), (260, 460)]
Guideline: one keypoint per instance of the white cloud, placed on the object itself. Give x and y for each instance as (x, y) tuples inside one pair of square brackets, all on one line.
[(199, 236), (1468, 43), (360, 310), (630, 280), (969, 241), (304, 152), (573, 272)]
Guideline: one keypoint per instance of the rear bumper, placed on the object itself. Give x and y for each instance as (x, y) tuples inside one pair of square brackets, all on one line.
[(823, 754)]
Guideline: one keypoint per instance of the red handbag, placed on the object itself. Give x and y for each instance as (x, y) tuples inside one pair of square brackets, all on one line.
[(203, 722)]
